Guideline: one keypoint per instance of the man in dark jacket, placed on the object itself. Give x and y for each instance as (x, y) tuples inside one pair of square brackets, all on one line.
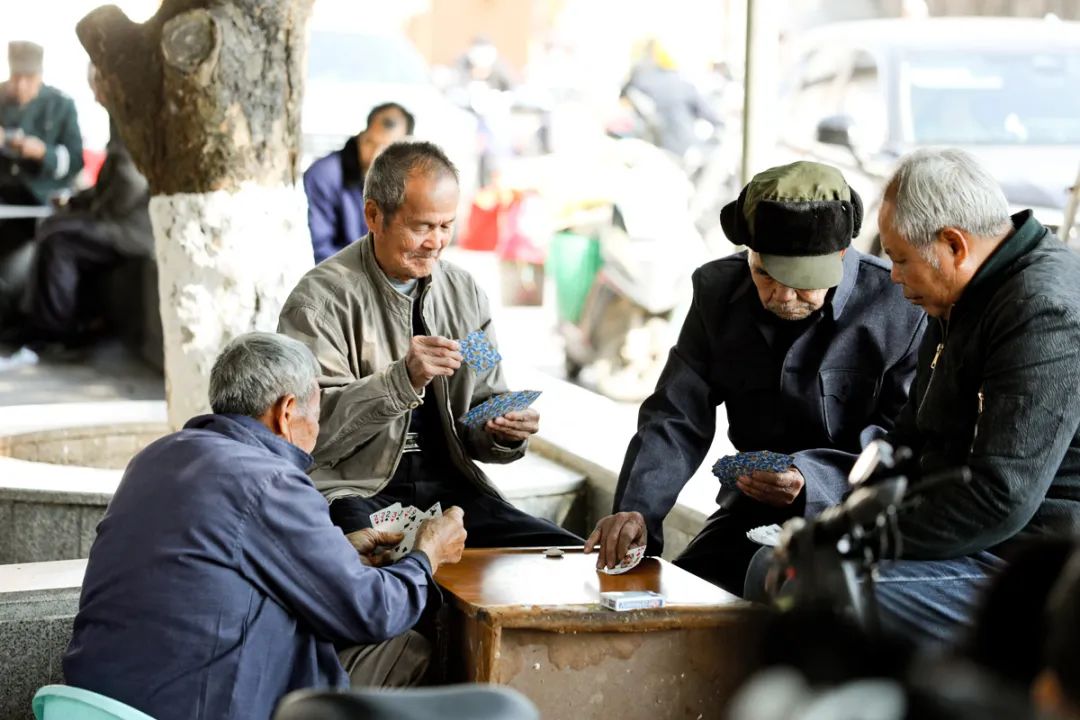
[(804, 341), (217, 583), (997, 387), (40, 154), (335, 184), (96, 230)]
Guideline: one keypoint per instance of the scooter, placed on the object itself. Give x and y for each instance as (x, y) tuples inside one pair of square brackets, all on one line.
[(649, 247)]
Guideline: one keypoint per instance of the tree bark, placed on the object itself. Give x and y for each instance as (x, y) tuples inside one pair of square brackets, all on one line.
[(207, 96)]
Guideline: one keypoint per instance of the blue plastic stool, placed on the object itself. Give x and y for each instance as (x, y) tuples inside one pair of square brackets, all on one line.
[(62, 702)]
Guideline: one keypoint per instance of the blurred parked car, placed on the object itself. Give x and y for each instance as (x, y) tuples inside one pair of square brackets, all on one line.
[(861, 94), (350, 73)]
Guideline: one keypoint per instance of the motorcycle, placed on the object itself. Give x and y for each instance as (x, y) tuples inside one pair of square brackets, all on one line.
[(648, 249), (827, 564)]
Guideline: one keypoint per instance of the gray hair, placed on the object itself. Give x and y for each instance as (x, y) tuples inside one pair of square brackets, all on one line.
[(257, 369), (385, 181), (935, 189)]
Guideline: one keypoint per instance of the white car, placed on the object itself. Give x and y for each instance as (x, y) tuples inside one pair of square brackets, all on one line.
[(861, 94)]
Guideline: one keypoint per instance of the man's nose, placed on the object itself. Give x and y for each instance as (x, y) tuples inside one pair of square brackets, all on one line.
[(894, 274), (783, 293)]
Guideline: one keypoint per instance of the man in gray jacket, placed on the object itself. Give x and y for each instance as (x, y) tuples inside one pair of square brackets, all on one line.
[(381, 316)]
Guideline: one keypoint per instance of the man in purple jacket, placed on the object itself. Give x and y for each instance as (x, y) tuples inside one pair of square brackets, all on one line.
[(335, 184), (217, 583)]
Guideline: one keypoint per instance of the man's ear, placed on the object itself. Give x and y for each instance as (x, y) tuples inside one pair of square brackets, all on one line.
[(281, 415), (957, 243), (372, 215)]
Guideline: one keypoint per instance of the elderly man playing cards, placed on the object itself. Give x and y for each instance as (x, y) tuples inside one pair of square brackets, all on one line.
[(217, 584), (810, 349), (412, 389)]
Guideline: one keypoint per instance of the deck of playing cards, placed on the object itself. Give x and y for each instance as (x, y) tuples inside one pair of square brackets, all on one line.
[(731, 467), (478, 352), (631, 600), (498, 406), (630, 561), (403, 520)]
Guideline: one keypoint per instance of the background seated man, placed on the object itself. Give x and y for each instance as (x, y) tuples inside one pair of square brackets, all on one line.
[(335, 184), (40, 154), (382, 316), (805, 343), (217, 583), (87, 237), (997, 389)]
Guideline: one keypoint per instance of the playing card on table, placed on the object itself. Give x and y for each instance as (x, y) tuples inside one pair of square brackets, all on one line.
[(630, 560), (731, 467), (478, 351), (498, 406)]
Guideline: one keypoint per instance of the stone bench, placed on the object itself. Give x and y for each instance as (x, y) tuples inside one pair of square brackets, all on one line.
[(38, 602), (55, 483)]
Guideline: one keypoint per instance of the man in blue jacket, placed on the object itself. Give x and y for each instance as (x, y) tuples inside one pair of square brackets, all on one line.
[(217, 583), (807, 345), (335, 184)]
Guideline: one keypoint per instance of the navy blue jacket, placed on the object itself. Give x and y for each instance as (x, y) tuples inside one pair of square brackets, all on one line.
[(335, 193), (839, 383), (998, 390), (217, 584)]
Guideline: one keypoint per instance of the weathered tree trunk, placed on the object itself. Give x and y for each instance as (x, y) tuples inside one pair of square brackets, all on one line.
[(206, 95)]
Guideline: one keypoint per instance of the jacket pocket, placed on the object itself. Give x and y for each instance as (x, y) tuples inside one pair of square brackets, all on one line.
[(1012, 426), (847, 400)]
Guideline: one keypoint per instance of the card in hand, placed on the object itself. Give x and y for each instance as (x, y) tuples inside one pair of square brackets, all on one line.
[(411, 519), (630, 561), (730, 467), (498, 406), (387, 516), (768, 535), (478, 351)]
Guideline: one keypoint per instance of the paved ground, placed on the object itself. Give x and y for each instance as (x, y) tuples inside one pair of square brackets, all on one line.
[(109, 372)]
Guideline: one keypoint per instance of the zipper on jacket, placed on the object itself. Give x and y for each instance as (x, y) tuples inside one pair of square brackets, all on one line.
[(934, 361)]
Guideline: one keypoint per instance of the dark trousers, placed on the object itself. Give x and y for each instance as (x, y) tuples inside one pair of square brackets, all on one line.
[(721, 552), (70, 252), (490, 522), (16, 248)]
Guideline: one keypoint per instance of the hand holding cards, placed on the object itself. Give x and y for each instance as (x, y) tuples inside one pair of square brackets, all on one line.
[(629, 561), (440, 536), (430, 356), (730, 468), (396, 519), (498, 406)]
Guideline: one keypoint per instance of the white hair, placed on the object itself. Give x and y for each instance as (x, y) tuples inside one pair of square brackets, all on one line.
[(935, 189), (257, 369)]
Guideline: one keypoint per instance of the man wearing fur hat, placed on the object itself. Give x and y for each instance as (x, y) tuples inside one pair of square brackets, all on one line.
[(806, 343), (40, 154)]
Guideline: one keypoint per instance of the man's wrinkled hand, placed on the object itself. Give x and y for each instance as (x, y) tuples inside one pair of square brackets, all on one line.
[(776, 489), (430, 356), (514, 426), (614, 535), (368, 541), (442, 539)]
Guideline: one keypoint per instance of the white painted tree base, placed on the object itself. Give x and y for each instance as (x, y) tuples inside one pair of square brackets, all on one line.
[(226, 263)]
